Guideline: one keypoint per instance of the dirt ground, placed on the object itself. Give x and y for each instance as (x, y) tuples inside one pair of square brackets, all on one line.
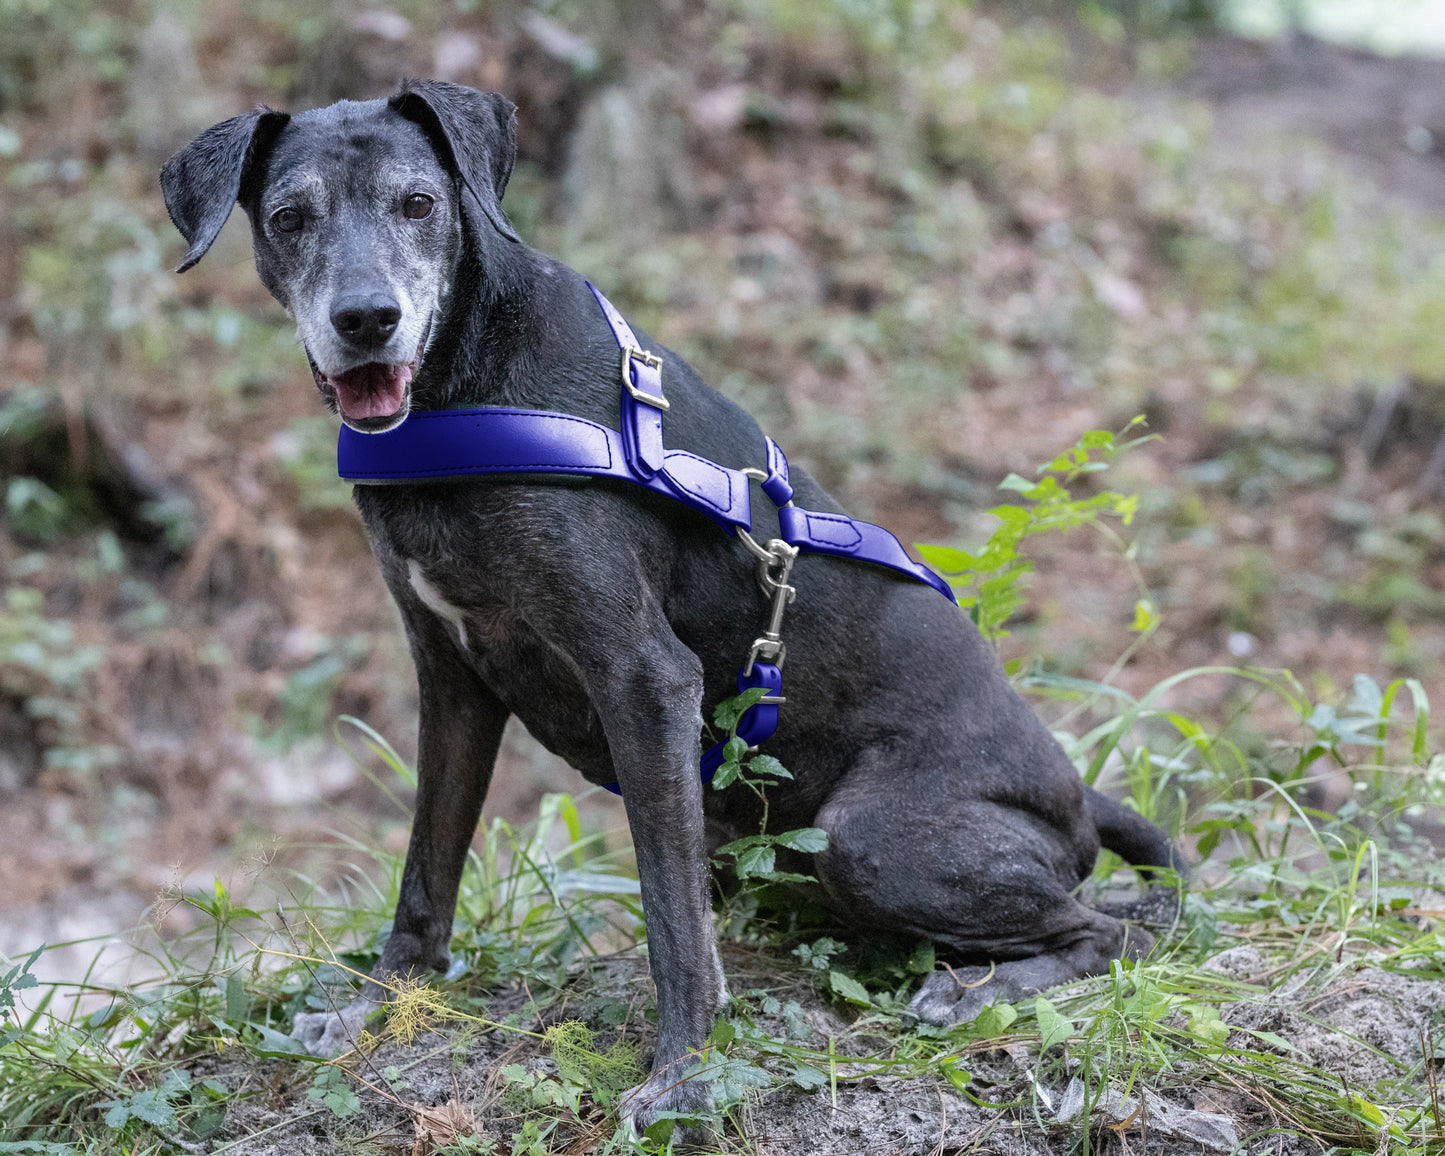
[(1360, 1025)]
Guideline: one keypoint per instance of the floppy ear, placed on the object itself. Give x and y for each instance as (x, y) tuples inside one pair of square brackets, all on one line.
[(204, 180), (475, 134)]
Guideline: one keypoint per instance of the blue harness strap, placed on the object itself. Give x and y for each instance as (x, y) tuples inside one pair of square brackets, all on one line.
[(433, 444), (445, 443)]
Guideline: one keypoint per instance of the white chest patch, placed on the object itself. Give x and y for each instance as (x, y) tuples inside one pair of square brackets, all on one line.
[(433, 601)]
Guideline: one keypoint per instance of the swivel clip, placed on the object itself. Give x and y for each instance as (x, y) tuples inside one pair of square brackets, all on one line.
[(774, 566)]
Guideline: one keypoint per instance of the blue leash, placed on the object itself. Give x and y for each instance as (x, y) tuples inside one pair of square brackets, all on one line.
[(494, 440)]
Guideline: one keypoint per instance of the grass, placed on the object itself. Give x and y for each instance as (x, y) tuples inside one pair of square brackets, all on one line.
[(536, 1008), (1317, 895)]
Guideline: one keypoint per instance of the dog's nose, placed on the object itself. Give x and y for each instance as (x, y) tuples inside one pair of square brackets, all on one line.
[(365, 319)]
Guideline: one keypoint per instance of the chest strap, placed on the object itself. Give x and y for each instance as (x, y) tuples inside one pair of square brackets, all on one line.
[(433, 444)]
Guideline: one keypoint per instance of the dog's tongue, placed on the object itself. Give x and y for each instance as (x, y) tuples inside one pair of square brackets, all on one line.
[(372, 390)]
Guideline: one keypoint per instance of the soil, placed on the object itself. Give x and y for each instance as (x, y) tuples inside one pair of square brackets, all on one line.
[(1360, 1025)]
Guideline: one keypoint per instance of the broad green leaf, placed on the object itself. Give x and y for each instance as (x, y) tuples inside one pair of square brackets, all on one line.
[(1205, 1023), (767, 765), (849, 988), (1369, 1111), (755, 861), (152, 1107), (994, 1019), (953, 1073), (236, 1002), (1053, 1028), (945, 559), (923, 960), (811, 840)]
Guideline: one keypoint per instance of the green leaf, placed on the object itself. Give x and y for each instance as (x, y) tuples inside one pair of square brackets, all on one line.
[(726, 775), (153, 1107), (945, 559), (1273, 1038), (274, 1044), (994, 1019), (1367, 1110), (767, 765), (923, 960), (849, 988), (755, 861), (739, 845), (808, 1077), (733, 1077), (236, 1002), (333, 1089), (954, 1074), (1053, 1028), (810, 840), (727, 712), (1204, 1022)]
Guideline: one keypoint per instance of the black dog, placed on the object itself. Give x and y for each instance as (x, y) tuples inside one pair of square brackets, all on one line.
[(605, 616)]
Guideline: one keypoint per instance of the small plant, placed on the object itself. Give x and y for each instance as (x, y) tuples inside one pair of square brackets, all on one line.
[(986, 583), (754, 857)]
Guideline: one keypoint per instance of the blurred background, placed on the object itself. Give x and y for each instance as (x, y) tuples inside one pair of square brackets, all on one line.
[(925, 242)]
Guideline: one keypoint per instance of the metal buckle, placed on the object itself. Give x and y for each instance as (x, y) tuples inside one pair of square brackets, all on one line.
[(629, 355)]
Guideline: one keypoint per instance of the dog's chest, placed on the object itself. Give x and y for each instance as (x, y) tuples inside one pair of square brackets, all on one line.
[(476, 627), (536, 683)]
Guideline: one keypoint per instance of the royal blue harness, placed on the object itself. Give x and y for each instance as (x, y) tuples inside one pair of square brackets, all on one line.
[(457, 442)]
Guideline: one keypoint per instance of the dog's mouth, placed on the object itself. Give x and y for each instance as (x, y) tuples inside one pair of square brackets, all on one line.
[(373, 397)]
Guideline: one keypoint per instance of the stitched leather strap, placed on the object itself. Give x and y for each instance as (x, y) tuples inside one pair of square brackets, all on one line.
[(641, 419), (444, 443), (844, 537)]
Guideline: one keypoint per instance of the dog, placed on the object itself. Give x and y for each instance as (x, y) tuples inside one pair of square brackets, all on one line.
[(605, 616)]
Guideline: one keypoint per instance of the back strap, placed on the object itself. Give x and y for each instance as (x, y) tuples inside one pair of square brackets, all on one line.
[(643, 405), (843, 537)]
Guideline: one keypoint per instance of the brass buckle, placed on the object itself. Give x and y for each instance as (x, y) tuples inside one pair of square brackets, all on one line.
[(631, 354)]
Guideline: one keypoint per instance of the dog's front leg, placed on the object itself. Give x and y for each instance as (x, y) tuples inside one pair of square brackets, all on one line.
[(649, 698), (460, 731)]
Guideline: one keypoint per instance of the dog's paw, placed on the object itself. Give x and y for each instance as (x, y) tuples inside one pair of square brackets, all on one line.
[(326, 1033), (954, 997), (665, 1094)]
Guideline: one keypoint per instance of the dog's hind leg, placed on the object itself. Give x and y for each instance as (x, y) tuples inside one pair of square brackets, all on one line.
[(1128, 833), (991, 882), (460, 731)]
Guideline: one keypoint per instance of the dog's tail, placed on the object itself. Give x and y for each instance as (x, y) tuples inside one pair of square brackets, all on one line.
[(1128, 834)]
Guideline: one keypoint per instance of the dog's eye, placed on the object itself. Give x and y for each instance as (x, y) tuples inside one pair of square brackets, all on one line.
[(417, 207), (287, 220)]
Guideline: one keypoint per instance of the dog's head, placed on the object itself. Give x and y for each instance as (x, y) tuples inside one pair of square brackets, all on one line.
[(358, 215)]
